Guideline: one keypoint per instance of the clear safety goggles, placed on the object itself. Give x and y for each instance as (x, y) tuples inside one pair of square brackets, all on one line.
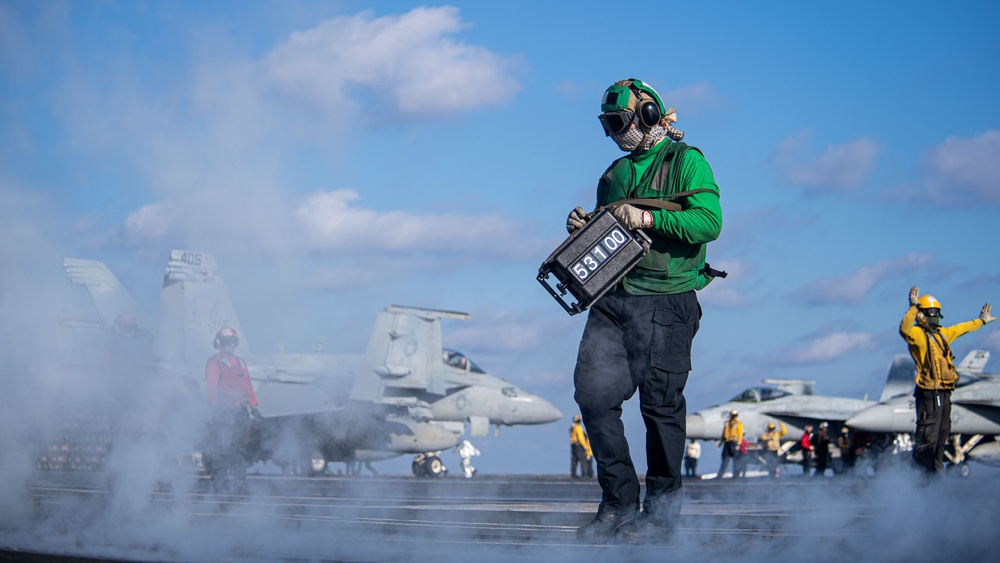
[(229, 341), (932, 312), (615, 122)]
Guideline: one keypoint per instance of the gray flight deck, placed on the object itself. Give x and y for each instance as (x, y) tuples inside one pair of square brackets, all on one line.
[(893, 516)]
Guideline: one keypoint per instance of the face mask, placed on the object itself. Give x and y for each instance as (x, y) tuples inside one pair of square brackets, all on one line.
[(926, 320), (630, 139)]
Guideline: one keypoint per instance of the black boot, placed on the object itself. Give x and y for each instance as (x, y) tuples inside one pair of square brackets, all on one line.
[(603, 527), (646, 529)]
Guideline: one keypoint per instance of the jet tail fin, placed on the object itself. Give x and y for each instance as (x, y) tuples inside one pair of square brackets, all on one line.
[(109, 296), (404, 351), (194, 305), (974, 362), (902, 373)]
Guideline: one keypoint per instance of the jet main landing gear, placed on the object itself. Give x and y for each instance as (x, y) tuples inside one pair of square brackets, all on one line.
[(429, 465)]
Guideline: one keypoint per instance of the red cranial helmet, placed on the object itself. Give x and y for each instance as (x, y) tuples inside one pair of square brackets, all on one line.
[(225, 336)]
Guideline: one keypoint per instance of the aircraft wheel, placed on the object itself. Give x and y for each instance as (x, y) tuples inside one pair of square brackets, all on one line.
[(317, 464), (435, 468), (419, 469), (964, 470)]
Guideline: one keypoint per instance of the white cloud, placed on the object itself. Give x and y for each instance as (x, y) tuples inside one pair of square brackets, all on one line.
[(821, 349), (503, 334), (691, 99), (406, 65), (217, 150), (344, 276), (723, 292), (333, 223), (854, 288), (965, 171), (151, 222), (844, 166), (720, 296)]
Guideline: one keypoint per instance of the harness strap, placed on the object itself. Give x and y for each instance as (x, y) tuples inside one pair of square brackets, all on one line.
[(945, 351), (654, 202)]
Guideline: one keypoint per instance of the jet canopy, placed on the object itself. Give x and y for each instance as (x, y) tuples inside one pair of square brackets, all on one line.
[(759, 394), (458, 360)]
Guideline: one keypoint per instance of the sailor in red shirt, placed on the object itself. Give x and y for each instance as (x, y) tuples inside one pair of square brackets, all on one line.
[(805, 443), (233, 403)]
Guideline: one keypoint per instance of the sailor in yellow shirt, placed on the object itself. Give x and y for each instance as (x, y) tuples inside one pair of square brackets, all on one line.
[(579, 445), (732, 435), (930, 349), (772, 443)]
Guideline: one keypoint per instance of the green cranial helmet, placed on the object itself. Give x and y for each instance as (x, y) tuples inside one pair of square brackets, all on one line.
[(619, 96), (616, 98), (634, 95)]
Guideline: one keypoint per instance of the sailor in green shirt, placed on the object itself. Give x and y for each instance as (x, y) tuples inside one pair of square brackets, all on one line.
[(639, 335)]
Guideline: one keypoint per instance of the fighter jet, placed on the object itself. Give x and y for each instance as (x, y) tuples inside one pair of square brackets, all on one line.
[(788, 401), (792, 402), (975, 411), (404, 395)]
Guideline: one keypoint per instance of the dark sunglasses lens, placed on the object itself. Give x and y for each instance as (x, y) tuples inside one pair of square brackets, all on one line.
[(933, 312), (229, 341), (616, 122)]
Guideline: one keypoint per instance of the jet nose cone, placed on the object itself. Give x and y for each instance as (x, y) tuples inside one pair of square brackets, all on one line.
[(696, 426), (541, 411), (873, 419), (547, 412), (527, 408)]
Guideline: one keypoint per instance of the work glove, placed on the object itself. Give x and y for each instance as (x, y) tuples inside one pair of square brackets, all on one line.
[(633, 217), (576, 220), (914, 295), (985, 315)]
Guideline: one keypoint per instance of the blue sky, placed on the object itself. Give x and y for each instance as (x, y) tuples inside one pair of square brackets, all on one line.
[(337, 157)]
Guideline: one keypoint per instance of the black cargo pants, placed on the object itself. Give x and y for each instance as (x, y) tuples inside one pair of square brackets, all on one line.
[(933, 427), (637, 342)]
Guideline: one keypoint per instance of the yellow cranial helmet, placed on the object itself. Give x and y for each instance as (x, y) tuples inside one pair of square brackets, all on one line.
[(928, 302), (929, 306)]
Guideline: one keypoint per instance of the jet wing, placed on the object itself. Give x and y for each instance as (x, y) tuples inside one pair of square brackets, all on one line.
[(281, 398), (980, 401), (813, 407), (829, 415)]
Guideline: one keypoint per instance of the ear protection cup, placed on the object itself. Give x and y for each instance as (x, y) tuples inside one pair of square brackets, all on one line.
[(649, 111), (216, 344), (649, 114)]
